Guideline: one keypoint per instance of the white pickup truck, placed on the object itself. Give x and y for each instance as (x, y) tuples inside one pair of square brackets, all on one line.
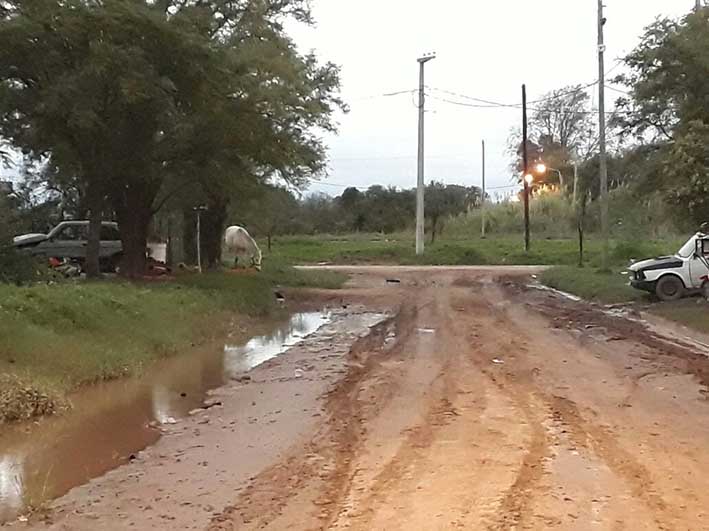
[(673, 277)]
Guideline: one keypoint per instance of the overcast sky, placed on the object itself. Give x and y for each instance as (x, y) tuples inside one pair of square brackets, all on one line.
[(486, 49)]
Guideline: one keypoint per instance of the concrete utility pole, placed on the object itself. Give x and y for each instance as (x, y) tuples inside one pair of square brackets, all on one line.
[(421, 185), (482, 202), (699, 5), (602, 129)]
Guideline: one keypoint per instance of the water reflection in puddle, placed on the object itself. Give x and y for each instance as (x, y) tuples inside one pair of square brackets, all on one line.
[(111, 421), (239, 359)]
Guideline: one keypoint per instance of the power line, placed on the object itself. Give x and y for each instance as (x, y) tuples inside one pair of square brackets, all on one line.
[(383, 95)]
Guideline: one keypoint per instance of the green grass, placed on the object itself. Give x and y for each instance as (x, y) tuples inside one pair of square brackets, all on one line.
[(590, 284), (495, 250), (56, 338), (690, 312)]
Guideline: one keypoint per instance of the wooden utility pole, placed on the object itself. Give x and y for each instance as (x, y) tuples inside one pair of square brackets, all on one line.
[(482, 203), (602, 130), (525, 159)]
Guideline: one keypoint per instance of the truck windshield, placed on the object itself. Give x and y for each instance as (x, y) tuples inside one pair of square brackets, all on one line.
[(688, 248)]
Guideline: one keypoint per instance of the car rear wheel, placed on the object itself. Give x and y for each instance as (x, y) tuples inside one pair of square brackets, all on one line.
[(669, 288)]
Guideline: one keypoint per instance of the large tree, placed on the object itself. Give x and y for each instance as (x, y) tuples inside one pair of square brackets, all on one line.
[(562, 130), (667, 111), (139, 99)]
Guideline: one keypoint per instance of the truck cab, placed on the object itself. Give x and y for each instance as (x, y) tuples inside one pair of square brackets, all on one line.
[(69, 240), (673, 277)]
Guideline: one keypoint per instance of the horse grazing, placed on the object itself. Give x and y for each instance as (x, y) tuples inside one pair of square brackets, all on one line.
[(238, 241)]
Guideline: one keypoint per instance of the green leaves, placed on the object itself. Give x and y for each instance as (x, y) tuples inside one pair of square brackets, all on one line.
[(140, 98), (669, 105)]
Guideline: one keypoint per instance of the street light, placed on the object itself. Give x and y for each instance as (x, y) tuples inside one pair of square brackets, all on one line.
[(542, 168), (529, 179)]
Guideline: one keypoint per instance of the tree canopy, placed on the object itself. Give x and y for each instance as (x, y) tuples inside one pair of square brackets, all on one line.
[(137, 100)]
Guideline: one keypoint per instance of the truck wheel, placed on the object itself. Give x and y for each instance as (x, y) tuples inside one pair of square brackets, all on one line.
[(669, 288)]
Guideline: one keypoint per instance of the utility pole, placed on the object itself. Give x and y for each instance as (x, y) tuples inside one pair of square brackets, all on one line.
[(699, 5), (199, 211), (421, 185), (602, 128), (482, 203), (525, 158)]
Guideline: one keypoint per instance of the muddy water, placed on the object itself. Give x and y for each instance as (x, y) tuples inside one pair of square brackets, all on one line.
[(112, 421)]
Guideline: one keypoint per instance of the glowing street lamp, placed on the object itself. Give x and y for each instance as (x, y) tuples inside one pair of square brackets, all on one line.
[(529, 179)]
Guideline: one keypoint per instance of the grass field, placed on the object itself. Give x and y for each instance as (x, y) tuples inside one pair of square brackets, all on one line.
[(56, 338), (496, 250)]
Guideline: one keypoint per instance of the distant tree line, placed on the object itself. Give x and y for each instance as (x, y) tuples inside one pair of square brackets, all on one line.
[(273, 210)]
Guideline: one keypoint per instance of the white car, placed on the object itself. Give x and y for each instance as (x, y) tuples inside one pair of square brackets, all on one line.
[(673, 277)]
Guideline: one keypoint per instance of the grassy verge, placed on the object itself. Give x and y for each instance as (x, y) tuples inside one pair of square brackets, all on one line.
[(613, 288), (689, 312), (495, 250), (589, 284), (56, 338)]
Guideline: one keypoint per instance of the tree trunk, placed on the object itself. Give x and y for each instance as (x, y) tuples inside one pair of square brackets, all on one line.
[(434, 226), (213, 221), (92, 265), (268, 236), (134, 217)]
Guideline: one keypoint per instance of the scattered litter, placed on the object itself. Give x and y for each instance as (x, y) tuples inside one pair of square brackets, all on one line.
[(393, 281), (498, 361), (170, 420), (298, 373), (22, 518), (425, 330)]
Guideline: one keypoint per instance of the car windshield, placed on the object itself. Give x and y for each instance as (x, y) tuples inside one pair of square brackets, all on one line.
[(688, 248)]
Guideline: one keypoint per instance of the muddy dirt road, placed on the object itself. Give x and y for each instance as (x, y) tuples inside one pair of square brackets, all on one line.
[(480, 404)]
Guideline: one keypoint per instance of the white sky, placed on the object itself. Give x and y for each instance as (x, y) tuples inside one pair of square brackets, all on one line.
[(485, 49)]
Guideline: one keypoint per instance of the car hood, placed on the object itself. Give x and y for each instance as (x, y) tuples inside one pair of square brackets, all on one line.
[(29, 239), (662, 262)]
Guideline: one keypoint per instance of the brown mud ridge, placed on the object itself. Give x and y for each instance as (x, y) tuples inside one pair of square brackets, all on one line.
[(480, 405)]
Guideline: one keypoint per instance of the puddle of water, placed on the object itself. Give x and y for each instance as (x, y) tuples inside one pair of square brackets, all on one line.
[(111, 421)]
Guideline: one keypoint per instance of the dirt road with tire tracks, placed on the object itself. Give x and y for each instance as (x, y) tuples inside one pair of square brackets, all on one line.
[(479, 404)]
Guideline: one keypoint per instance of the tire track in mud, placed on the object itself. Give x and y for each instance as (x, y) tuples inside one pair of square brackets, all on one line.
[(602, 443), (418, 437), (326, 459), (600, 440), (268, 493), (513, 506), (394, 481)]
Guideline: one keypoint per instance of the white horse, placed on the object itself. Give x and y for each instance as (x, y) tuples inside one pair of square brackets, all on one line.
[(239, 241)]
